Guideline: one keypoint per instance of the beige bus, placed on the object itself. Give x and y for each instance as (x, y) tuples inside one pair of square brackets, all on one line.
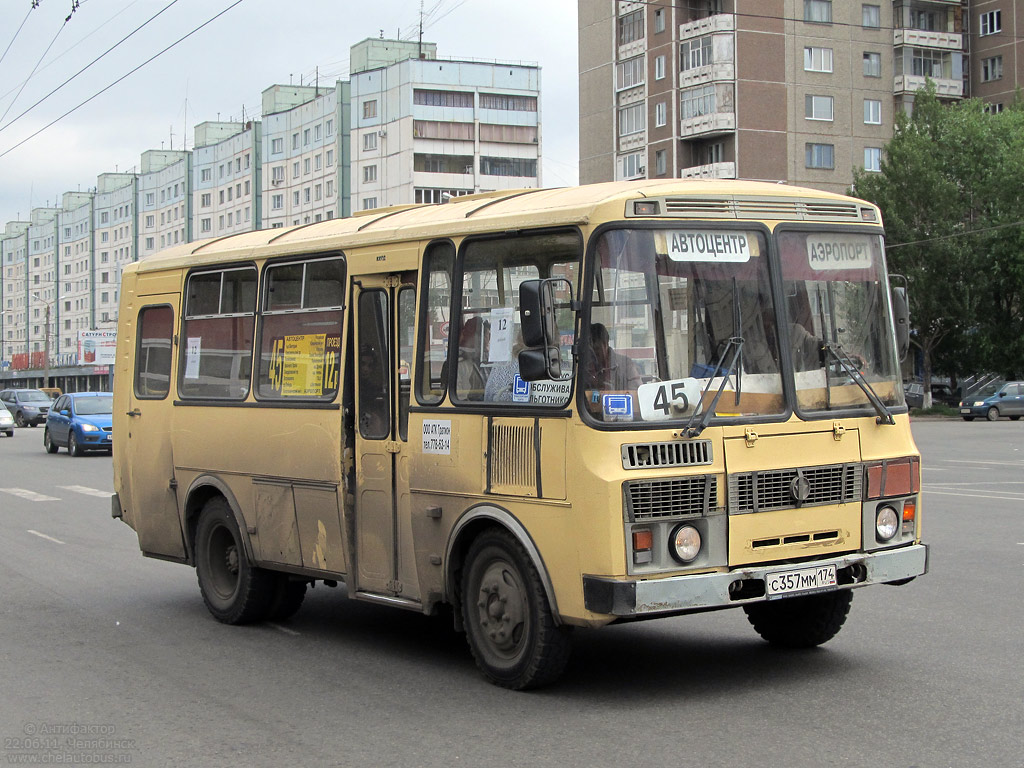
[(547, 409)]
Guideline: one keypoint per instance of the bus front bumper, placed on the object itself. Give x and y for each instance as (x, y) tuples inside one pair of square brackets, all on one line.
[(678, 594)]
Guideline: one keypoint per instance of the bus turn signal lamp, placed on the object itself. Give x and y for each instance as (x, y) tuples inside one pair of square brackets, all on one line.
[(909, 514), (643, 543), (893, 477)]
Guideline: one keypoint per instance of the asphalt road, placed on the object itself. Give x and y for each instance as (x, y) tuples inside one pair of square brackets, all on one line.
[(112, 658)]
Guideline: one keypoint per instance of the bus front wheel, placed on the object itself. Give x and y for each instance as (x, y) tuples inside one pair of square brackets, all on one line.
[(801, 622), (234, 591), (509, 625)]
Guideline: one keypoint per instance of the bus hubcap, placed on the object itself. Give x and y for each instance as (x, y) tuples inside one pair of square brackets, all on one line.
[(502, 614)]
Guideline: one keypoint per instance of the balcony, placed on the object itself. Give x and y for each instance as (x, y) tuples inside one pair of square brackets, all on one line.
[(721, 22), (711, 124), (920, 38), (944, 88), (711, 171)]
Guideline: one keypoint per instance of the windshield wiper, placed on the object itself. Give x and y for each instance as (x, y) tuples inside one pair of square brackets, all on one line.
[(735, 343), (837, 352)]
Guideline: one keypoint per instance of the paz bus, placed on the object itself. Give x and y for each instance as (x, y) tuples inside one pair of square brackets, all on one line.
[(545, 409)]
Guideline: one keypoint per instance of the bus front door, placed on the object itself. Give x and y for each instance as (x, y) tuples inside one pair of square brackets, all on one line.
[(384, 308), (153, 505)]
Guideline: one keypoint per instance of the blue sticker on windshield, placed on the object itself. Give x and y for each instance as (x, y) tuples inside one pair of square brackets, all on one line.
[(618, 406), (520, 390)]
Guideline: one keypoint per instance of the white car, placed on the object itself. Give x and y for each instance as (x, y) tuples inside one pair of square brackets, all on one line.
[(6, 421)]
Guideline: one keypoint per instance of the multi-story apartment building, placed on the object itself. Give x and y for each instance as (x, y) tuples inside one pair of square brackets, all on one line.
[(994, 36), (40, 285), (227, 196), (14, 289), (799, 91), (164, 201), (114, 239), (305, 154), (424, 128), (73, 272)]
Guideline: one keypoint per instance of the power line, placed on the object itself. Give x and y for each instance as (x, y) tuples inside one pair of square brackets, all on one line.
[(74, 7), (18, 32), (111, 48), (120, 79), (889, 247)]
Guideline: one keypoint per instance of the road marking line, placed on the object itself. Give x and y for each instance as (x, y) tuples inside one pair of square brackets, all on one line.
[(44, 536), (974, 495), (972, 461), (87, 491), (30, 495), (287, 631)]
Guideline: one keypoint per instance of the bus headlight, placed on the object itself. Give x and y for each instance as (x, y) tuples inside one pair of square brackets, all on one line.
[(684, 544), (887, 523)]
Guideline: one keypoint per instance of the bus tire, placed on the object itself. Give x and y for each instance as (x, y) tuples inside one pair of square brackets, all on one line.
[(509, 625), (287, 599), (235, 591), (801, 622)]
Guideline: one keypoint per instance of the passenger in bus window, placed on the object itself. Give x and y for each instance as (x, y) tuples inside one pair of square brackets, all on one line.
[(472, 380), (502, 378), (607, 369)]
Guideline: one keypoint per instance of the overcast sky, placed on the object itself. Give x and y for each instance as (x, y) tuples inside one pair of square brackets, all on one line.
[(224, 67)]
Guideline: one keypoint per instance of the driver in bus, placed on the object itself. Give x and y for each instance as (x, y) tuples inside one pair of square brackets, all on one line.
[(471, 380), (608, 370)]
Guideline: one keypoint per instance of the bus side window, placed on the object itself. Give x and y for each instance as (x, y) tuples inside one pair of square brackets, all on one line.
[(153, 353), (432, 368)]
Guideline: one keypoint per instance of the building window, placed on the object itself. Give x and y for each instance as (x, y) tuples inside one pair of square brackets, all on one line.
[(329, 127), (818, 11), (929, 63), (149, 243), (369, 173), (426, 98), (205, 225), (872, 64), (508, 166), (276, 146), (660, 114), (295, 140), (318, 193), (629, 73), (277, 174), (296, 166), (817, 59), (306, 166), (695, 53), (151, 219), (992, 69), (695, 102), (631, 166), (204, 202), (316, 132), (330, 157), (369, 203), (508, 102), (873, 159), (151, 198), (659, 20), (871, 16), (277, 202), (993, 109), (659, 68), (330, 188), (631, 119), (820, 156), (318, 162), (369, 109), (661, 162), (631, 27), (818, 108), (990, 23), (369, 141), (872, 112)]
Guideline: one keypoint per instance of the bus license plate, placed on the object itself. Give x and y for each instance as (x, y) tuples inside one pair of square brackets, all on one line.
[(815, 579)]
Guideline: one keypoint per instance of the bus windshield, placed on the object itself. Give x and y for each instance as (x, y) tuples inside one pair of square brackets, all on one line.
[(677, 315), (837, 310), (683, 325)]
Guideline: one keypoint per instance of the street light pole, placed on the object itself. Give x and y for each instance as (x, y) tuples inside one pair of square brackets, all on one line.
[(46, 339)]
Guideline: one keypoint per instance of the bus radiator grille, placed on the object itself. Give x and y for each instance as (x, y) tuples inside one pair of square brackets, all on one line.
[(687, 453), (783, 488), (675, 497)]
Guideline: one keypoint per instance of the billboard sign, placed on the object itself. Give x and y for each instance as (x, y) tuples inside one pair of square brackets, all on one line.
[(97, 347)]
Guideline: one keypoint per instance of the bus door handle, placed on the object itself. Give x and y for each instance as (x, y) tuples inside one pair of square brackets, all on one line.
[(135, 412)]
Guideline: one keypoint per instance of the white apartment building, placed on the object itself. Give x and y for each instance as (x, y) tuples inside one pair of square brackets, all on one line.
[(305, 149), (164, 200), (13, 256), (423, 128), (114, 241), (74, 269), (41, 290), (226, 170)]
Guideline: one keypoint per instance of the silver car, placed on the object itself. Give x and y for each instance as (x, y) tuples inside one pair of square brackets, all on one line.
[(6, 421)]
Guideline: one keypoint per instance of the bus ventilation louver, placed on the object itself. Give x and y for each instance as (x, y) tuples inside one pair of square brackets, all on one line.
[(656, 455), (783, 209), (790, 488), (676, 497)]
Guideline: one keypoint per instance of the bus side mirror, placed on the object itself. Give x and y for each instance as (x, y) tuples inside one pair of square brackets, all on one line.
[(901, 316), (538, 303)]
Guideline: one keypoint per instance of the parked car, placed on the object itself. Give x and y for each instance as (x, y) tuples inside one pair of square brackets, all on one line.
[(6, 421), (942, 394), (53, 392), (80, 422), (994, 401), (28, 406)]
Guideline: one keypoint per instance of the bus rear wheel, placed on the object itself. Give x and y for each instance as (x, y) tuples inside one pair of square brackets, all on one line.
[(235, 591), (801, 622), (509, 625)]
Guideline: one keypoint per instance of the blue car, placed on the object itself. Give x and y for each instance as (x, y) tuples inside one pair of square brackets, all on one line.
[(994, 401), (81, 422)]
